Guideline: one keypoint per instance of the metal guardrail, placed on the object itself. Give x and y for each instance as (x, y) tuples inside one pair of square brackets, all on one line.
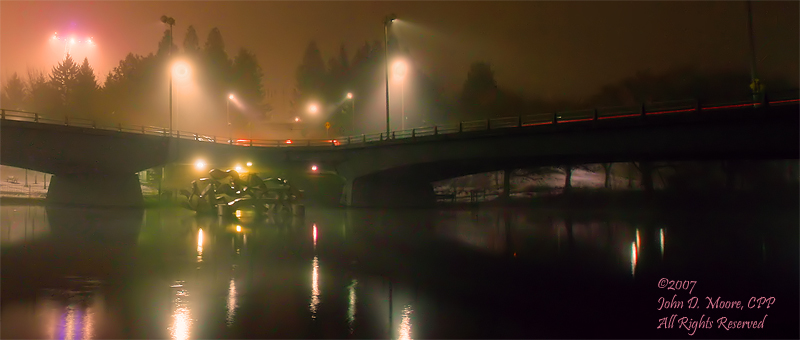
[(671, 107)]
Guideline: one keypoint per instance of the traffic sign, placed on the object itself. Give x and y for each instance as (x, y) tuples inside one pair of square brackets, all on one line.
[(327, 125)]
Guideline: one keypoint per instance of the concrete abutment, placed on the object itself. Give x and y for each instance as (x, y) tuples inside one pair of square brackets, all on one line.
[(99, 190), (388, 191)]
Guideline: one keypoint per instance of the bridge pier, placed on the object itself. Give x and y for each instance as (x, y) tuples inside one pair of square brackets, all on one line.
[(388, 191), (96, 190)]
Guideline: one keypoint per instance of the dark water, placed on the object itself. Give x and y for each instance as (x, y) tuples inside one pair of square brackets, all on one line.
[(164, 273)]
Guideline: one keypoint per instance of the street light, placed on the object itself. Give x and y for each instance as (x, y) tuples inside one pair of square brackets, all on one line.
[(180, 71), (754, 83), (71, 41), (171, 22), (352, 114), (386, 22), (312, 108), (400, 68)]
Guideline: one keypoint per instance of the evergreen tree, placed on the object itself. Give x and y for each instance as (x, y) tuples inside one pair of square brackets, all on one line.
[(86, 90), (43, 97), (479, 92), (247, 82), (215, 54), (63, 78), (13, 96), (311, 79), (343, 60), (218, 68), (165, 44), (191, 44)]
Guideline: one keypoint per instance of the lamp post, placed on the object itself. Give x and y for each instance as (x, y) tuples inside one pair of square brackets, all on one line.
[(353, 113), (389, 19), (399, 70), (180, 71), (753, 77), (171, 22), (228, 117)]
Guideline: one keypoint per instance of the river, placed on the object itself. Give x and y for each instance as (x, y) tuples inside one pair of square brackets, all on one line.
[(71, 273)]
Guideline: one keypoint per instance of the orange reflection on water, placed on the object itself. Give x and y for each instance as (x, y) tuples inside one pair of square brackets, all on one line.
[(69, 329), (405, 323), (314, 288), (231, 302), (181, 316), (315, 235), (200, 245)]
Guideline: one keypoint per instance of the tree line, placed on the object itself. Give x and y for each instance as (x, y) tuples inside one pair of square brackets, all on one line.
[(135, 90)]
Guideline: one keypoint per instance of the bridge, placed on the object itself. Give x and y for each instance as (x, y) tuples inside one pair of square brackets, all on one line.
[(99, 161)]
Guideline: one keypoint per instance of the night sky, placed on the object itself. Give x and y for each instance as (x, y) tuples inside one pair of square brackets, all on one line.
[(548, 49)]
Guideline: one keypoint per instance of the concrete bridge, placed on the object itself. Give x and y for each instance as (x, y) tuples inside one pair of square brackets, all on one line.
[(95, 165)]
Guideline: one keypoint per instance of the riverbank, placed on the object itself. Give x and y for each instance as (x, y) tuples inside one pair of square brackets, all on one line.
[(787, 199)]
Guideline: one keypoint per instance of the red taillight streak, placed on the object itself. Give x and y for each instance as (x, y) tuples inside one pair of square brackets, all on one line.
[(575, 120), (785, 101), (672, 111), (623, 116), (533, 124), (727, 106)]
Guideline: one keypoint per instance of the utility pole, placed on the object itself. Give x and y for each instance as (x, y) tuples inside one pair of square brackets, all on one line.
[(754, 83)]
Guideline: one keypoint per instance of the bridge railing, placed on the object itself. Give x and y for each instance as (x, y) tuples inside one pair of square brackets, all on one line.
[(669, 107)]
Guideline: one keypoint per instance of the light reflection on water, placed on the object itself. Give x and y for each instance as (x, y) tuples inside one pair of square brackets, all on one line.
[(351, 306), (231, 302), (21, 224), (314, 288), (70, 314), (180, 329), (171, 244), (200, 245), (405, 323), (634, 258)]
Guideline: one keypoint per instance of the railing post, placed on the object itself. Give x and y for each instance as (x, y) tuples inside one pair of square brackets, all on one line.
[(595, 114), (381, 136), (460, 127), (66, 120), (413, 133), (393, 135), (519, 121), (3, 114), (177, 134), (348, 140), (119, 126), (363, 138), (94, 124), (555, 117), (251, 142), (436, 130), (642, 110), (35, 117)]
